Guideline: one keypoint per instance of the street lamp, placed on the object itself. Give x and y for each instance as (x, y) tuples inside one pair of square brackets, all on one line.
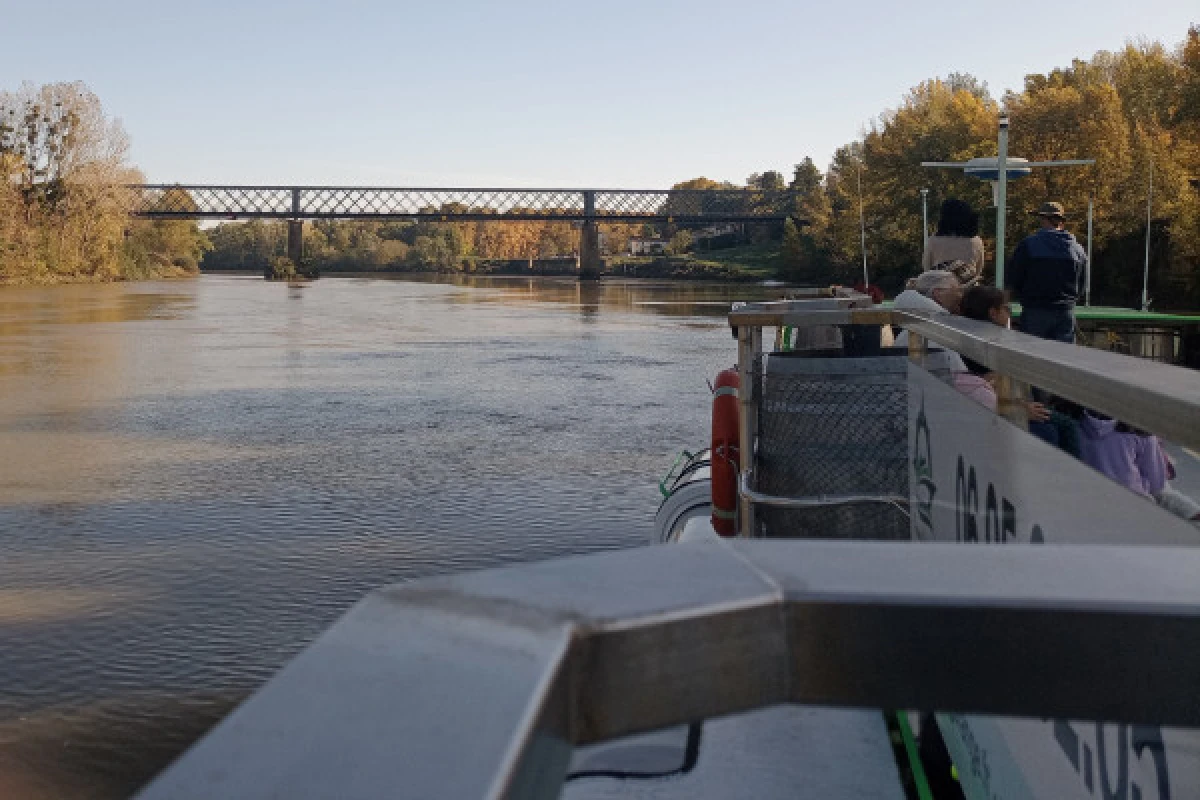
[(924, 217)]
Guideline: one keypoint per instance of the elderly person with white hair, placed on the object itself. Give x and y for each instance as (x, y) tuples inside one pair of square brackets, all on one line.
[(938, 292)]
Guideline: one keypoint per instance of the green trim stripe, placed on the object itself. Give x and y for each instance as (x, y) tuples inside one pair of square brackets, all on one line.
[(914, 759)]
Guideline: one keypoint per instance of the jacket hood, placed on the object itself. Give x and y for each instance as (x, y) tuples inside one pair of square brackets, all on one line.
[(1097, 428), (912, 300)]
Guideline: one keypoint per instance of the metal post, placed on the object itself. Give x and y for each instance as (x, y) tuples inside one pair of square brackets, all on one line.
[(1001, 198), (589, 240), (916, 348), (746, 424), (862, 227), (924, 217), (1146, 266), (1087, 292)]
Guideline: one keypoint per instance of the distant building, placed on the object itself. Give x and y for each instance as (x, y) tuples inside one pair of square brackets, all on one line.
[(719, 235), (639, 246), (720, 229)]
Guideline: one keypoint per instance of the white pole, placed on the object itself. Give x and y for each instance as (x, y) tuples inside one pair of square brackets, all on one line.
[(1001, 198), (1087, 292), (924, 218), (862, 227), (1146, 266)]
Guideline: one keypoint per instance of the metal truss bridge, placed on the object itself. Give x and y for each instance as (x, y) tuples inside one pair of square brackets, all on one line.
[(165, 201), (589, 207)]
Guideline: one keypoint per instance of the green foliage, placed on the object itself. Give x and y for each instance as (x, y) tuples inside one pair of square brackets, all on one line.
[(681, 243), (766, 181), (791, 252), (280, 268)]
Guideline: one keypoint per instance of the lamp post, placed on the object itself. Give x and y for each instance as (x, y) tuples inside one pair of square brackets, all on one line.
[(1001, 198), (1146, 265), (1087, 292), (924, 217), (862, 228)]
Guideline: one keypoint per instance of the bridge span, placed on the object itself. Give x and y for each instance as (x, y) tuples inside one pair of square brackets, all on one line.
[(588, 207)]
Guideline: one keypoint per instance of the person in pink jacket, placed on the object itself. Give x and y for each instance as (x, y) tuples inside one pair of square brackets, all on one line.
[(987, 304)]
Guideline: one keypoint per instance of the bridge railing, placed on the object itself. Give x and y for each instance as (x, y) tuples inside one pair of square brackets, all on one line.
[(168, 201)]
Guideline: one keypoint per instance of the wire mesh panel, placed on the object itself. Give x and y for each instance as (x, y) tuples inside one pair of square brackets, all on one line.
[(833, 426)]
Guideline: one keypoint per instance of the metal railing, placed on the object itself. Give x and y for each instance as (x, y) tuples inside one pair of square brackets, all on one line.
[(1156, 397), (478, 685)]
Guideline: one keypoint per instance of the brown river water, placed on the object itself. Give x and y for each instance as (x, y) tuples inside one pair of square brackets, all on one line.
[(197, 477)]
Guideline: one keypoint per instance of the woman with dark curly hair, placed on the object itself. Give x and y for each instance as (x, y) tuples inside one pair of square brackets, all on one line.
[(957, 240)]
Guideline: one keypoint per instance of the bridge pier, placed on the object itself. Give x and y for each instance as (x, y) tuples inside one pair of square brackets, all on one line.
[(295, 241), (590, 263)]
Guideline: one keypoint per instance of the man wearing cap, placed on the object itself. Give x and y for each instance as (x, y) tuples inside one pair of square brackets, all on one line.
[(1046, 275)]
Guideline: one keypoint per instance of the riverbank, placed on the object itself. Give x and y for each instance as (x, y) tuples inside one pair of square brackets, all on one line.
[(743, 264), (166, 273)]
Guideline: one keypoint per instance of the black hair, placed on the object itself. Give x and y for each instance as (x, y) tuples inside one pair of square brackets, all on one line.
[(1122, 427), (977, 301), (957, 219)]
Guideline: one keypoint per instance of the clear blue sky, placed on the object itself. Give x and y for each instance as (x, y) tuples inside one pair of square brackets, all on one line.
[(556, 93)]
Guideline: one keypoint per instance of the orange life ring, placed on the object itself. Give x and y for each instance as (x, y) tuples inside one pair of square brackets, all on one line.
[(725, 452)]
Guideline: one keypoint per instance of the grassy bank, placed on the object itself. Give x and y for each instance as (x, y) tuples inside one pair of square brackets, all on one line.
[(753, 262)]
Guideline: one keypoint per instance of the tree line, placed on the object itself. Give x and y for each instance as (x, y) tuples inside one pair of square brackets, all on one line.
[(64, 211), (1134, 111), (367, 245)]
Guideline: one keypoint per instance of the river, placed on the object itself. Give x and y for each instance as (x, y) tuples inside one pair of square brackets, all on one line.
[(199, 476)]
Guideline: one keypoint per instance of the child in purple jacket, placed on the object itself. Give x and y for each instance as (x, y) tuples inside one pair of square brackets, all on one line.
[(1128, 456)]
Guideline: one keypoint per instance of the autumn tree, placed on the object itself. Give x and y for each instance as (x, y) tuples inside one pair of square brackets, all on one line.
[(64, 208)]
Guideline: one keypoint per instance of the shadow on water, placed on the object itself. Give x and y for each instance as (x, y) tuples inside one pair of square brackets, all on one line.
[(199, 477), (104, 750), (670, 298)]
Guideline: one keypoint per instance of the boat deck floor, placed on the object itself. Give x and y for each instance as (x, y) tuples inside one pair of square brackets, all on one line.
[(781, 752)]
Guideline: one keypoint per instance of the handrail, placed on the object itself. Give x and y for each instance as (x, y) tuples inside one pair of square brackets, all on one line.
[(477, 685), (1157, 397)]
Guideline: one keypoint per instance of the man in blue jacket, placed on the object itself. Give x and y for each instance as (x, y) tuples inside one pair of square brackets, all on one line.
[(1046, 275)]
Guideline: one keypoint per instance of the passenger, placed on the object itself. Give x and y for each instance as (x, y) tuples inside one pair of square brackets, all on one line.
[(989, 304), (1130, 457), (957, 239), (936, 292), (986, 304), (1046, 274), (1045, 422)]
